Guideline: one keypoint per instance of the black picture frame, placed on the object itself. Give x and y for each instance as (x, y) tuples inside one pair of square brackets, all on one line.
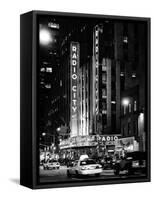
[(29, 95)]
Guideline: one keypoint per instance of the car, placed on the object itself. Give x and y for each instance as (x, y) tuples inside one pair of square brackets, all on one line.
[(70, 163), (85, 167), (133, 162), (51, 165), (106, 162)]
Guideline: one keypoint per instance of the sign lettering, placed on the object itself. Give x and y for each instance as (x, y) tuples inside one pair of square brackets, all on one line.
[(74, 56)]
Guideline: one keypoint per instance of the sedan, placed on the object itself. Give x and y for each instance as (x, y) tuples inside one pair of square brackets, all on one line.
[(85, 167), (51, 165), (133, 162)]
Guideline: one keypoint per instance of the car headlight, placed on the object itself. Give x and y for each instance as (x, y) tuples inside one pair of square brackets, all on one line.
[(83, 168)]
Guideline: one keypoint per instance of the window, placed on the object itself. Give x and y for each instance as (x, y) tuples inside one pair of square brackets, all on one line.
[(104, 68), (42, 69), (125, 33), (113, 122), (87, 162), (125, 47), (113, 107), (133, 74), (125, 39), (104, 78), (113, 85), (61, 83), (123, 130), (124, 109), (49, 69), (104, 64), (134, 128), (104, 111), (122, 74), (48, 86), (104, 93), (104, 106), (135, 106), (129, 107), (104, 119), (129, 128), (125, 54)]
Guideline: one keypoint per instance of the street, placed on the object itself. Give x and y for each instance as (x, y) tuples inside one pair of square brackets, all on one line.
[(58, 175)]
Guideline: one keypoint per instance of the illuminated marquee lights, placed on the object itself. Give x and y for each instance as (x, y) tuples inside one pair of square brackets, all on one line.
[(92, 141), (74, 84)]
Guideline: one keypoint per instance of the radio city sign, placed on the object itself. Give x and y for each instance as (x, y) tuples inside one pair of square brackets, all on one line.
[(74, 74), (74, 62), (108, 138)]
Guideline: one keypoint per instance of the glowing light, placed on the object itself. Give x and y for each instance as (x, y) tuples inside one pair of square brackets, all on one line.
[(141, 117), (125, 102), (125, 39), (45, 37), (134, 75), (58, 129), (122, 74), (49, 69), (53, 25)]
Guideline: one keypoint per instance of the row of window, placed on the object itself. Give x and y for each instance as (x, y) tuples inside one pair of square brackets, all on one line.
[(130, 129), (133, 74), (130, 108), (48, 85)]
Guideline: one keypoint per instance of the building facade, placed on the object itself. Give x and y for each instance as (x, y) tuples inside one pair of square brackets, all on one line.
[(131, 56), (92, 85), (94, 88)]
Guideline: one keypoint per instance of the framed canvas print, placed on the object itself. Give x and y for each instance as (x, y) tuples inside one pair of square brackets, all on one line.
[(85, 99)]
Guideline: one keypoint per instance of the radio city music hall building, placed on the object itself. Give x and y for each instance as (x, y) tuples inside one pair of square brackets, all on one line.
[(97, 69), (95, 98)]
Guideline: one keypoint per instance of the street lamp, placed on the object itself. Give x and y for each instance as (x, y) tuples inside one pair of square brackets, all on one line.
[(43, 134), (58, 129), (125, 103), (45, 36)]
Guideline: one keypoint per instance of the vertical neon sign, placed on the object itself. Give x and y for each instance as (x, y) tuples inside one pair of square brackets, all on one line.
[(95, 77), (74, 63)]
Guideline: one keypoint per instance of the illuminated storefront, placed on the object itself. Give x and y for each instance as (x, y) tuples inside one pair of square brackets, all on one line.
[(102, 145), (127, 144)]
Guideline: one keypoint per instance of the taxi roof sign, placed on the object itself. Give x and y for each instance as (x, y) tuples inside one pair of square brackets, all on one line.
[(83, 157)]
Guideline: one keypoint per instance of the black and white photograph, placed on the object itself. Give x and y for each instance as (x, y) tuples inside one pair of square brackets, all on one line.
[(92, 99), (76, 100)]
